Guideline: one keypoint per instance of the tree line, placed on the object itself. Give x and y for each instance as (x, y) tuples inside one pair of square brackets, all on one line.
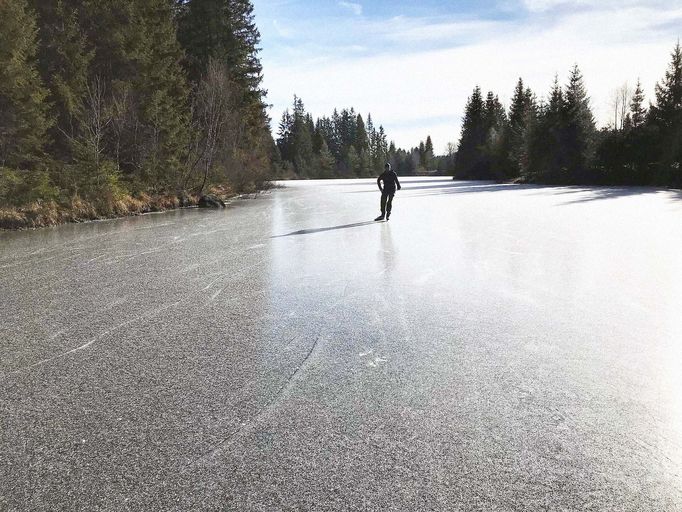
[(103, 100), (556, 140), (342, 145)]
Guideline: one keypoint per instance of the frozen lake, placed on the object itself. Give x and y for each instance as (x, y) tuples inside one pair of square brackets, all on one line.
[(492, 347)]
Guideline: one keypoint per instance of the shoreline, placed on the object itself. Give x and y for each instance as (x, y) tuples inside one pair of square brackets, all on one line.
[(40, 215)]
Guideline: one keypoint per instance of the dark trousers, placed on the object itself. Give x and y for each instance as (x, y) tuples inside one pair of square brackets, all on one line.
[(386, 202)]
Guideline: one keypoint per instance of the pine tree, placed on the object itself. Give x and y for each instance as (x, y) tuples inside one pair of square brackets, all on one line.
[(669, 92), (517, 110), (24, 118), (326, 162), (470, 159), (382, 149), (364, 169), (514, 133), (495, 125), (302, 142), (361, 141), (346, 129), (530, 122), (546, 159), (495, 116), (580, 134), (318, 137), (666, 116), (224, 30), (375, 147), (163, 93), (284, 136), (371, 135), (64, 60), (638, 112), (334, 139), (428, 153), (352, 162)]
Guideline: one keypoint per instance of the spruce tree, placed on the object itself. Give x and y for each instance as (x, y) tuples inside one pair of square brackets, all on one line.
[(334, 139), (517, 110), (469, 158), (669, 92), (638, 112), (364, 168), (346, 128), (326, 162), (546, 161), (361, 141), (513, 137), (284, 136), (495, 126), (422, 154), (522, 153), (495, 116), (302, 142), (163, 93), (64, 60), (382, 150), (666, 116), (428, 151), (224, 30), (24, 118), (639, 147), (352, 162), (376, 157), (580, 130), (318, 137)]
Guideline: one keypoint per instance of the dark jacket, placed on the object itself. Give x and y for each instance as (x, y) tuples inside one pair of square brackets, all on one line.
[(390, 179)]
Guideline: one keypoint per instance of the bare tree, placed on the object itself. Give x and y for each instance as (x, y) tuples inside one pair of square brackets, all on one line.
[(97, 119), (216, 124), (89, 144), (121, 119), (620, 102)]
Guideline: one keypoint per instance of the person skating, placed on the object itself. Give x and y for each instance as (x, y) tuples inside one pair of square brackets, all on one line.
[(390, 184)]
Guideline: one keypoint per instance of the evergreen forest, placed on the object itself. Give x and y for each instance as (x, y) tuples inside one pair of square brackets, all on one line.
[(108, 108), (555, 140)]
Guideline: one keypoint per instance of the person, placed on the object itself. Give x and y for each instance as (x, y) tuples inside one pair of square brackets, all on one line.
[(390, 180)]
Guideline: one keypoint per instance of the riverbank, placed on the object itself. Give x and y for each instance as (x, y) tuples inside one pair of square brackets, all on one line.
[(40, 214)]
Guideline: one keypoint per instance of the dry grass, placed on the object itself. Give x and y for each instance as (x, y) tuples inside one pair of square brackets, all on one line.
[(49, 213), (224, 192)]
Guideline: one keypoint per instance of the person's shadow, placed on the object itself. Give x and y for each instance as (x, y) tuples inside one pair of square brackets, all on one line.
[(332, 228)]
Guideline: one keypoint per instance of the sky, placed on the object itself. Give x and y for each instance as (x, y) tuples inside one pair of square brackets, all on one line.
[(413, 64)]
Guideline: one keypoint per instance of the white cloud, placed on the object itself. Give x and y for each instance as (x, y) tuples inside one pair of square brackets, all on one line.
[(355, 8), (415, 91), (546, 5), (407, 30)]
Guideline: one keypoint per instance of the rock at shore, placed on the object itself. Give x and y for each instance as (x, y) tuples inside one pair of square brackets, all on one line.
[(211, 201)]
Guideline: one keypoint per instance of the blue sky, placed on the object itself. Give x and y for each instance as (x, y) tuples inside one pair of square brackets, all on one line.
[(413, 64)]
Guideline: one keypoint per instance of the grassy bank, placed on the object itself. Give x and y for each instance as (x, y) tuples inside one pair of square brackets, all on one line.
[(42, 213)]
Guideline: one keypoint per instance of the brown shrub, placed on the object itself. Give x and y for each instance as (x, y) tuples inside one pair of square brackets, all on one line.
[(50, 213), (12, 219)]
